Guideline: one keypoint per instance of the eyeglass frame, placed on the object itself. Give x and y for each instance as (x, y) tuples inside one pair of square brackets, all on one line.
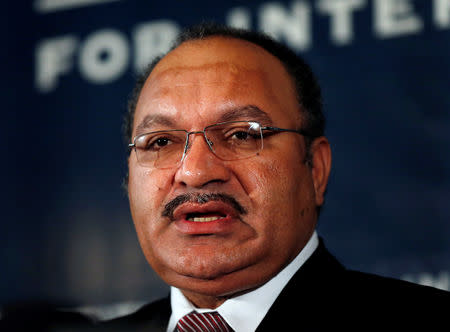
[(188, 133)]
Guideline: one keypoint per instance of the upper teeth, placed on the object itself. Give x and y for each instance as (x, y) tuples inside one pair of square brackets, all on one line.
[(203, 219)]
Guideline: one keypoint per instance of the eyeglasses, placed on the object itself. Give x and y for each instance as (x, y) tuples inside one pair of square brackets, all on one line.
[(232, 140)]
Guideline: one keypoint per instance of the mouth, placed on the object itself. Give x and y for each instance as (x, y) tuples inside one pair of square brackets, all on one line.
[(194, 204), (206, 212), (210, 218)]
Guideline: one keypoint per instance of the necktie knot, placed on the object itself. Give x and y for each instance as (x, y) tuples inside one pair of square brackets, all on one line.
[(203, 322)]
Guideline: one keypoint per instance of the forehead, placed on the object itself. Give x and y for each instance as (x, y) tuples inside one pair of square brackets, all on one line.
[(208, 77)]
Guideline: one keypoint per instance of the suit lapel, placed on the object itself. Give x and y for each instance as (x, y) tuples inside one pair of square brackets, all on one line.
[(299, 305)]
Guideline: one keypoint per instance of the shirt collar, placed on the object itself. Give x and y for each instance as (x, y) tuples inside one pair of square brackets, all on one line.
[(245, 312)]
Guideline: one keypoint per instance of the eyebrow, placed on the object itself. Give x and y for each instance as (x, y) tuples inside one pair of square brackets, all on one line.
[(151, 120), (247, 112)]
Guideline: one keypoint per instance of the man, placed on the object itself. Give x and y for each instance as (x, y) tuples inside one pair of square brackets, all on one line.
[(228, 169)]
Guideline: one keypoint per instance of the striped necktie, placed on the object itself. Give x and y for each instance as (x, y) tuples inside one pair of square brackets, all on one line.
[(206, 322)]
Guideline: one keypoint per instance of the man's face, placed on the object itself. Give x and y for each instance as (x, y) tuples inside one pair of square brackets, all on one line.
[(198, 84)]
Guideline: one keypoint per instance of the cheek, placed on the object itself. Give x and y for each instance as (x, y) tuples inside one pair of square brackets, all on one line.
[(280, 197), (272, 181), (147, 190), (280, 191)]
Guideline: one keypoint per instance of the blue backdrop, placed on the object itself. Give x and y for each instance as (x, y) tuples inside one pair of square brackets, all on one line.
[(68, 68)]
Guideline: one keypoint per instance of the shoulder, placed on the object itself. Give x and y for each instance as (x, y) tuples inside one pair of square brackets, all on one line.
[(394, 302), (328, 296), (328, 273), (366, 287), (382, 286), (41, 317), (152, 317), (371, 296)]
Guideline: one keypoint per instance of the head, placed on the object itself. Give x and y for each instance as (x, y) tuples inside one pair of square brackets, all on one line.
[(264, 207)]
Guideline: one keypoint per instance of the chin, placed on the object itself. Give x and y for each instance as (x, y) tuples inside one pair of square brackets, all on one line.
[(220, 284)]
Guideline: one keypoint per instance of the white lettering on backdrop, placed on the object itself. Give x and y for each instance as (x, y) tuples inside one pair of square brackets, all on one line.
[(106, 54)]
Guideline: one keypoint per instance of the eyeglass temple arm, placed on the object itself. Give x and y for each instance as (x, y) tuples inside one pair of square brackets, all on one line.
[(301, 132)]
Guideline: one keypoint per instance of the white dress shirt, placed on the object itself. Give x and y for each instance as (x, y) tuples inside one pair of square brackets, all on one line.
[(245, 312)]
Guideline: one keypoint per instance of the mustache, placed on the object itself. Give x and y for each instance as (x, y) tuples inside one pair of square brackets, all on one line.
[(201, 198)]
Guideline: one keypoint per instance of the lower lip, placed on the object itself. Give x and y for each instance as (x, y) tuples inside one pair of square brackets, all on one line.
[(219, 226)]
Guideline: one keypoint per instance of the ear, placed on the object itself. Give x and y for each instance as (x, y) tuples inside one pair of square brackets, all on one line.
[(321, 165), (126, 178)]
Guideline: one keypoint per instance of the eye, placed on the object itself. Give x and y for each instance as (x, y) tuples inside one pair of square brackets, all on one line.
[(157, 143), (240, 135)]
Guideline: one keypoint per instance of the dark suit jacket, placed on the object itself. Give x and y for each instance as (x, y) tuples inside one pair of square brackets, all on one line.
[(41, 317), (324, 296)]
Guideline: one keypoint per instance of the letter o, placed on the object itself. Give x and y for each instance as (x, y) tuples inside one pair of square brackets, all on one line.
[(104, 56)]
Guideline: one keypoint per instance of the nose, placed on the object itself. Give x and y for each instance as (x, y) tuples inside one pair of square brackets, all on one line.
[(200, 166)]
